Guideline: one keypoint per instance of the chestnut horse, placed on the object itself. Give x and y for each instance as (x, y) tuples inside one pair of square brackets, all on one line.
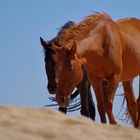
[(87, 104), (109, 50), (126, 25)]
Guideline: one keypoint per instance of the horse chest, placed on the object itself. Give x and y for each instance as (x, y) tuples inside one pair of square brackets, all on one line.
[(100, 71), (104, 67)]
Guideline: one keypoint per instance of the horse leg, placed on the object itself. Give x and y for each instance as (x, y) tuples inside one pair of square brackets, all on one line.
[(83, 90), (138, 106), (91, 104), (97, 86), (87, 104), (113, 82), (131, 101)]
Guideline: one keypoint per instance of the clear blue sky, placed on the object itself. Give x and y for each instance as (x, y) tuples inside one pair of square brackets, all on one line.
[(22, 74)]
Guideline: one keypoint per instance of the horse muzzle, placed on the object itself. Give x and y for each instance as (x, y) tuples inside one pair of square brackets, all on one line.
[(63, 101), (51, 89), (63, 110)]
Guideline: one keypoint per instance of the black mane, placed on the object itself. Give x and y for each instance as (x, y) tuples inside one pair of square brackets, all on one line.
[(65, 26)]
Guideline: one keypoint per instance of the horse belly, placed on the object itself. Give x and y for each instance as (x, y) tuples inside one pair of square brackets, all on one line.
[(129, 75), (131, 68)]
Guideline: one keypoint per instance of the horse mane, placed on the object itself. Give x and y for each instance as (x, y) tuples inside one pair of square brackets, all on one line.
[(78, 31), (67, 25)]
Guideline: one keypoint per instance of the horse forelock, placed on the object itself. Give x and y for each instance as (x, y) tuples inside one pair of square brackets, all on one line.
[(55, 40)]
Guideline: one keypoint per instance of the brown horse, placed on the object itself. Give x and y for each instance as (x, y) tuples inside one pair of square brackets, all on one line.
[(131, 26), (110, 51), (87, 104)]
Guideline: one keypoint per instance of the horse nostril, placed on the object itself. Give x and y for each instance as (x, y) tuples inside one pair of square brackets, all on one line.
[(51, 91)]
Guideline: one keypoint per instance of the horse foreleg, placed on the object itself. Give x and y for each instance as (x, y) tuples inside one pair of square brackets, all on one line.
[(113, 82), (97, 86), (132, 105), (91, 104), (87, 104), (83, 90)]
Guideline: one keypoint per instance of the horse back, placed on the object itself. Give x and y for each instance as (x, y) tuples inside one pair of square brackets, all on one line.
[(130, 32)]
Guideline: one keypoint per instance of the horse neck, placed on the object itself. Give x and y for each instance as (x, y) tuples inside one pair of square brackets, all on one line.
[(94, 42), (130, 31)]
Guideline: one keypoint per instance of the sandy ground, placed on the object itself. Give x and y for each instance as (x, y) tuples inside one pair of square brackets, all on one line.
[(43, 124)]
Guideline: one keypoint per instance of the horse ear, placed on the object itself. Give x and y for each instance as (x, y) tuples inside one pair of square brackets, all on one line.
[(46, 46), (82, 60), (57, 51), (43, 43), (72, 48)]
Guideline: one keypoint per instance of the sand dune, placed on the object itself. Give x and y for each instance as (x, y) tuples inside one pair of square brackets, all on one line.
[(43, 124)]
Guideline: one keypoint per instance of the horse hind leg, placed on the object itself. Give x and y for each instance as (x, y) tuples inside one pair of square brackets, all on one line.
[(131, 101), (138, 106)]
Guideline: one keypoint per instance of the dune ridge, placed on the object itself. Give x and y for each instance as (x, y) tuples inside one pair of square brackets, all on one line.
[(17, 123)]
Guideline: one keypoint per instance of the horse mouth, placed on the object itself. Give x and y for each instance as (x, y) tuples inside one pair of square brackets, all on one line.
[(63, 110), (63, 105), (63, 101), (51, 91)]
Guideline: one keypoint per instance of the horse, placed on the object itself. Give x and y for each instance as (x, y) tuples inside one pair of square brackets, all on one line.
[(87, 104), (134, 24), (108, 52)]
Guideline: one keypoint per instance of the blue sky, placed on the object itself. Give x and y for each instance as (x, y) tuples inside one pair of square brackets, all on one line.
[(22, 74)]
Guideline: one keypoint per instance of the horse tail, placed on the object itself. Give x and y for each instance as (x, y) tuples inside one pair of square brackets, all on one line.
[(138, 107), (126, 115), (127, 112)]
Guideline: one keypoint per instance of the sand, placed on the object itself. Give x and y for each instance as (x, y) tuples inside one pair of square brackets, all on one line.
[(18, 123)]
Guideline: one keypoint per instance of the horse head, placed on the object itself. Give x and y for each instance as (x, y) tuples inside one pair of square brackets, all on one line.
[(49, 65), (68, 71)]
